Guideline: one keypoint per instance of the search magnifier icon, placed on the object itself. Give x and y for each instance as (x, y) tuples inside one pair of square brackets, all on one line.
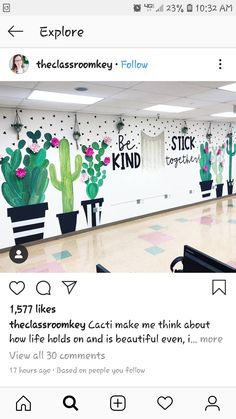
[(70, 402)]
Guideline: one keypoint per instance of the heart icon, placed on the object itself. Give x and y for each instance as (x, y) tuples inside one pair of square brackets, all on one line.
[(17, 287), (165, 402)]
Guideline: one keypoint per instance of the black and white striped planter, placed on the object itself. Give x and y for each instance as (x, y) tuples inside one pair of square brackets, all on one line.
[(206, 186), (230, 186), (28, 222), (93, 211), (67, 221)]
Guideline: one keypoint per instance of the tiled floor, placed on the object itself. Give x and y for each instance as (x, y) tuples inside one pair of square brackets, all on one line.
[(145, 245)]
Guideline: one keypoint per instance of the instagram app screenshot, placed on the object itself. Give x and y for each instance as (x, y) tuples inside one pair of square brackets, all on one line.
[(118, 209)]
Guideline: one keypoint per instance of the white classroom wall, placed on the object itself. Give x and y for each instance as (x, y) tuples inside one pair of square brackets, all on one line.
[(127, 193)]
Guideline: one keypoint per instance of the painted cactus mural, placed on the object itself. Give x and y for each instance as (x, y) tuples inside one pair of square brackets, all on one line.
[(231, 151), (218, 167), (93, 175), (93, 172), (65, 185), (205, 169), (26, 181)]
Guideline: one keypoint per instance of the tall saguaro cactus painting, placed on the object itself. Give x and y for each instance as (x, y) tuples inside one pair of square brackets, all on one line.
[(65, 185)]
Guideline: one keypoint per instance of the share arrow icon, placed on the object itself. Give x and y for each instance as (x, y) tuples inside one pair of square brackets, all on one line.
[(69, 285)]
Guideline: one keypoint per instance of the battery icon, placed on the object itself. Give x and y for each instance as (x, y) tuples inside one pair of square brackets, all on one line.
[(189, 7)]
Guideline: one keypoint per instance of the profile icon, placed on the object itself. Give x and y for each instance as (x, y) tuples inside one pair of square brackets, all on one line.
[(212, 400), (19, 64), (18, 254)]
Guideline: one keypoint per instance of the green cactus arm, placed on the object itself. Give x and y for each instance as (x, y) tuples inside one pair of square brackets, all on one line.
[(234, 152), (42, 182), (229, 146), (15, 159), (78, 166), (12, 199), (214, 165), (25, 197), (39, 182), (53, 177), (43, 197), (34, 199), (15, 184), (7, 194), (37, 160)]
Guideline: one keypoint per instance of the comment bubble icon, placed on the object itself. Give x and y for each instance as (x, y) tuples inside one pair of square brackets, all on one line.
[(43, 288)]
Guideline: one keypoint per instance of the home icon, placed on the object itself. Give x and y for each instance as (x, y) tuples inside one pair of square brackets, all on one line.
[(23, 404)]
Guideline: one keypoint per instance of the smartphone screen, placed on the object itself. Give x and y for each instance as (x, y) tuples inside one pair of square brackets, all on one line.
[(118, 211)]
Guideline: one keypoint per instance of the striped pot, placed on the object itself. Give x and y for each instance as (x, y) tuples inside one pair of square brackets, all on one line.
[(28, 222), (206, 186), (93, 210), (67, 221)]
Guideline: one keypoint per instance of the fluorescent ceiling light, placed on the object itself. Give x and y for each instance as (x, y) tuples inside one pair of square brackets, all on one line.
[(168, 109), (63, 97), (225, 115), (229, 87)]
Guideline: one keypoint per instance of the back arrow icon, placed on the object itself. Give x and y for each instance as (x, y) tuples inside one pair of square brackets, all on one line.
[(12, 30)]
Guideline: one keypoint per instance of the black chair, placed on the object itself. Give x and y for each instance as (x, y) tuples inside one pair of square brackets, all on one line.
[(101, 270), (194, 260)]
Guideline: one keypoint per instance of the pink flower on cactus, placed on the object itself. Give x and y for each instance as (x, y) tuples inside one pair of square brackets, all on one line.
[(89, 151), (107, 140), (106, 161), (206, 150), (205, 168), (20, 173), (34, 147), (84, 177), (219, 151), (55, 142)]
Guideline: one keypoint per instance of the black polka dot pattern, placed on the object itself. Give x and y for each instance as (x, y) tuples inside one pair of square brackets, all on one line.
[(96, 127)]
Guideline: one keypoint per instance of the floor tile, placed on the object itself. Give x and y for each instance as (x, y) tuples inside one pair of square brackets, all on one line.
[(48, 267), (207, 220), (154, 250), (157, 227), (62, 255), (156, 237)]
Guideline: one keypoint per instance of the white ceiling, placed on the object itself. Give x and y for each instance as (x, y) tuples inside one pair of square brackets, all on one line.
[(127, 98)]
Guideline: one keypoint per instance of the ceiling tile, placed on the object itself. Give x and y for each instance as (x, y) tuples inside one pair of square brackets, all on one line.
[(181, 89), (14, 92), (69, 87), (215, 95)]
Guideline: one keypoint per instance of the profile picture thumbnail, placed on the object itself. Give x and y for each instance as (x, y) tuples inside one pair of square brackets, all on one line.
[(19, 64)]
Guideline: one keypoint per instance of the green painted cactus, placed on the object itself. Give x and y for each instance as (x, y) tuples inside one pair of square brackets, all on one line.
[(93, 172), (25, 185), (65, 185), (231, 151), (218, 163), (205, 162)]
